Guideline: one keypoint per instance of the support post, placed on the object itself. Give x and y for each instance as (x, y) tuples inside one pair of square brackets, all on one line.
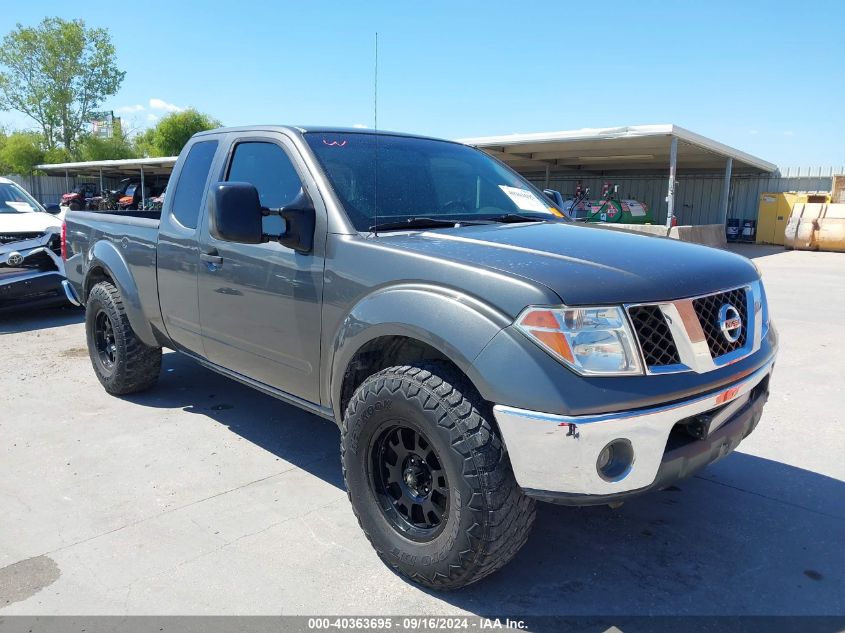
[(143, 193), (101, 181), (67, 182), (726, 190), (670, 196), (546, 184)]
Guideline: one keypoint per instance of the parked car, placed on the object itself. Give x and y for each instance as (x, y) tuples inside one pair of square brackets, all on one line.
[(31, 268), (477, 351)]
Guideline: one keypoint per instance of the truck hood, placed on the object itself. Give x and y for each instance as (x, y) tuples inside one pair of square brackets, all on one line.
[(29, 222), (586, 265)]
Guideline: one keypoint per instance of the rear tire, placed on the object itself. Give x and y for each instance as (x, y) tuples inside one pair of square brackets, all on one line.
[(429, 479), (123, 363)]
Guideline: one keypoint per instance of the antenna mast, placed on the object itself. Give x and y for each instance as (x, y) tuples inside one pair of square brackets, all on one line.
[(375, 129)]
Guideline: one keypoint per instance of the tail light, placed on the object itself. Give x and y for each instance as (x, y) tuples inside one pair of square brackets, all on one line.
[(64, 241)]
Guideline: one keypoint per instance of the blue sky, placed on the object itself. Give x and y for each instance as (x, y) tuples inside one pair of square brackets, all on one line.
[(766, 77)]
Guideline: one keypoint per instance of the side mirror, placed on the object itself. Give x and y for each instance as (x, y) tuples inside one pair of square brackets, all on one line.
[(53, 209), (300, 219), (555, 196), (235, 213)]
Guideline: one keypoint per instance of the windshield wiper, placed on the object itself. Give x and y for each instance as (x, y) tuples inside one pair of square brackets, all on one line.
[(417, 223), (516, 217)]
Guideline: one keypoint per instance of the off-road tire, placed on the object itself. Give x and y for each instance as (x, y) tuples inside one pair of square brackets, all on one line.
[(489, 518), (136, 366)]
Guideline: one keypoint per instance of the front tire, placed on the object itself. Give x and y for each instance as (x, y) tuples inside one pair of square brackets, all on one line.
[(123, 363), (429, 479)]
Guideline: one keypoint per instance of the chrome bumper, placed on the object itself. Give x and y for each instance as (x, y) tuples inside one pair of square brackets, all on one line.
[(70, 293), (558, 453)]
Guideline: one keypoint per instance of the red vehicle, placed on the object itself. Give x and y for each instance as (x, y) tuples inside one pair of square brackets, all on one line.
[(80, 198)]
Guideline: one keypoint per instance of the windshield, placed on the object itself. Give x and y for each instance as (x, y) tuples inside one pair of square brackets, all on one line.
[(13, 199), (421, 178)]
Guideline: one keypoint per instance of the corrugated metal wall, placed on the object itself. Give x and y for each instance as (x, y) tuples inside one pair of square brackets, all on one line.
[(697, 197), (49, 189)]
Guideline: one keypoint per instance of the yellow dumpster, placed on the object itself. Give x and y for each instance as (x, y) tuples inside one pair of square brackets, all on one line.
[(774, 210)]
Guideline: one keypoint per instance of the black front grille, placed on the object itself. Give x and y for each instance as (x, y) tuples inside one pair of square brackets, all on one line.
[(8, 238), (654, 335), (707, 310), (55, 244)]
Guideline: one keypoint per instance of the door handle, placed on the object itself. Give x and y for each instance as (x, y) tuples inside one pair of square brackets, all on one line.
[(212, 261)]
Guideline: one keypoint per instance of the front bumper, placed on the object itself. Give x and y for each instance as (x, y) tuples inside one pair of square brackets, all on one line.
[(29, 288), (554, 457)]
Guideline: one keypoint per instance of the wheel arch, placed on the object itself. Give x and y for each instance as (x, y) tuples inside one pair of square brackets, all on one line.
[(107, 264), (406, 324)]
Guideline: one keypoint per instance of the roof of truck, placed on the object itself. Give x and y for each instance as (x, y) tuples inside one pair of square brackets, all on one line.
[(312, 129)]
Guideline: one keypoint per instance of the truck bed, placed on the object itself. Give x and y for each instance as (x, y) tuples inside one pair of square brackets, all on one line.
[(110, 237)]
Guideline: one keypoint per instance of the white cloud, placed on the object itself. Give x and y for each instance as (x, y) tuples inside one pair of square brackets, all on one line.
[(129, 109), (152, 117), (161, 104), (360, 125)]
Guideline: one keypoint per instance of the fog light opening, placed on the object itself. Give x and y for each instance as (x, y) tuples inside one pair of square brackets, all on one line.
[(615, 460)]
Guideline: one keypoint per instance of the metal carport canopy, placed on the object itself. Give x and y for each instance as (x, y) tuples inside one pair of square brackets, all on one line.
[(123, 168), (630, 149), (113, 168), (635, 149)]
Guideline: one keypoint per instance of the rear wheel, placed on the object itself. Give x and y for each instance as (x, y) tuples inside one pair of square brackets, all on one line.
[(122, 362), (429, 479)]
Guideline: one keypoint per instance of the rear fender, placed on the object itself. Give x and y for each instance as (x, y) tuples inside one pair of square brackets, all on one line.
[(105, 256)]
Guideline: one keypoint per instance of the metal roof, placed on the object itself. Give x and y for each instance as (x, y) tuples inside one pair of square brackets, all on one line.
[(115, 168), (634, 148)]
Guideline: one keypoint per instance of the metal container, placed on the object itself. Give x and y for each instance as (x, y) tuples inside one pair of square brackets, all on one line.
[(732, 229)]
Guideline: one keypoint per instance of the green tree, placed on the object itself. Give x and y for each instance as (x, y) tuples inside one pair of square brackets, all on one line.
[(4, 168), (57, 155), (114, 148), (58, 73), (21, 152), (169, 136), (144, 143)]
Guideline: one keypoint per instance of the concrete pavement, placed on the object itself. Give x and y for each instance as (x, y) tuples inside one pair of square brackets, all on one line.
[(205, 497)]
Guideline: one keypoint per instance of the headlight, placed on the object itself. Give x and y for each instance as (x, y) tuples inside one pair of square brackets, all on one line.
[(591, 341)]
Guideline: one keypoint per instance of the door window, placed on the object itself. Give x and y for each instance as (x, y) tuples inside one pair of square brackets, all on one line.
[(191, 185), (270, 171)]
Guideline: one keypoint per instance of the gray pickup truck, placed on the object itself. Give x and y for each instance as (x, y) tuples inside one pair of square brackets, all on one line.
[(478, 350)]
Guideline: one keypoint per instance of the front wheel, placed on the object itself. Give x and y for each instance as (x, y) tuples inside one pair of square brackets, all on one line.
[(429, 479), (122, 362)]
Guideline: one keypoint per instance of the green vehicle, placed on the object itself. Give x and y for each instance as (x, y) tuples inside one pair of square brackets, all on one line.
[(610, 208)]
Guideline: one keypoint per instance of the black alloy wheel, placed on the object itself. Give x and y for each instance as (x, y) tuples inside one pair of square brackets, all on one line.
[(104, 341), (409, 481)]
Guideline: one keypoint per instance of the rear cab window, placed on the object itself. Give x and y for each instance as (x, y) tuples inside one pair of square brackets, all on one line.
[(190, 188)]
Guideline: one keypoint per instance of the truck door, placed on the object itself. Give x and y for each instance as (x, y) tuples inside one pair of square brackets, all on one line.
[(177, 259), (260, 303)]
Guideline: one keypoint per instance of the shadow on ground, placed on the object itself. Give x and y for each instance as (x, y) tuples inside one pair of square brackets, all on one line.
[(39, 319), (753, 251), (747, 536)]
